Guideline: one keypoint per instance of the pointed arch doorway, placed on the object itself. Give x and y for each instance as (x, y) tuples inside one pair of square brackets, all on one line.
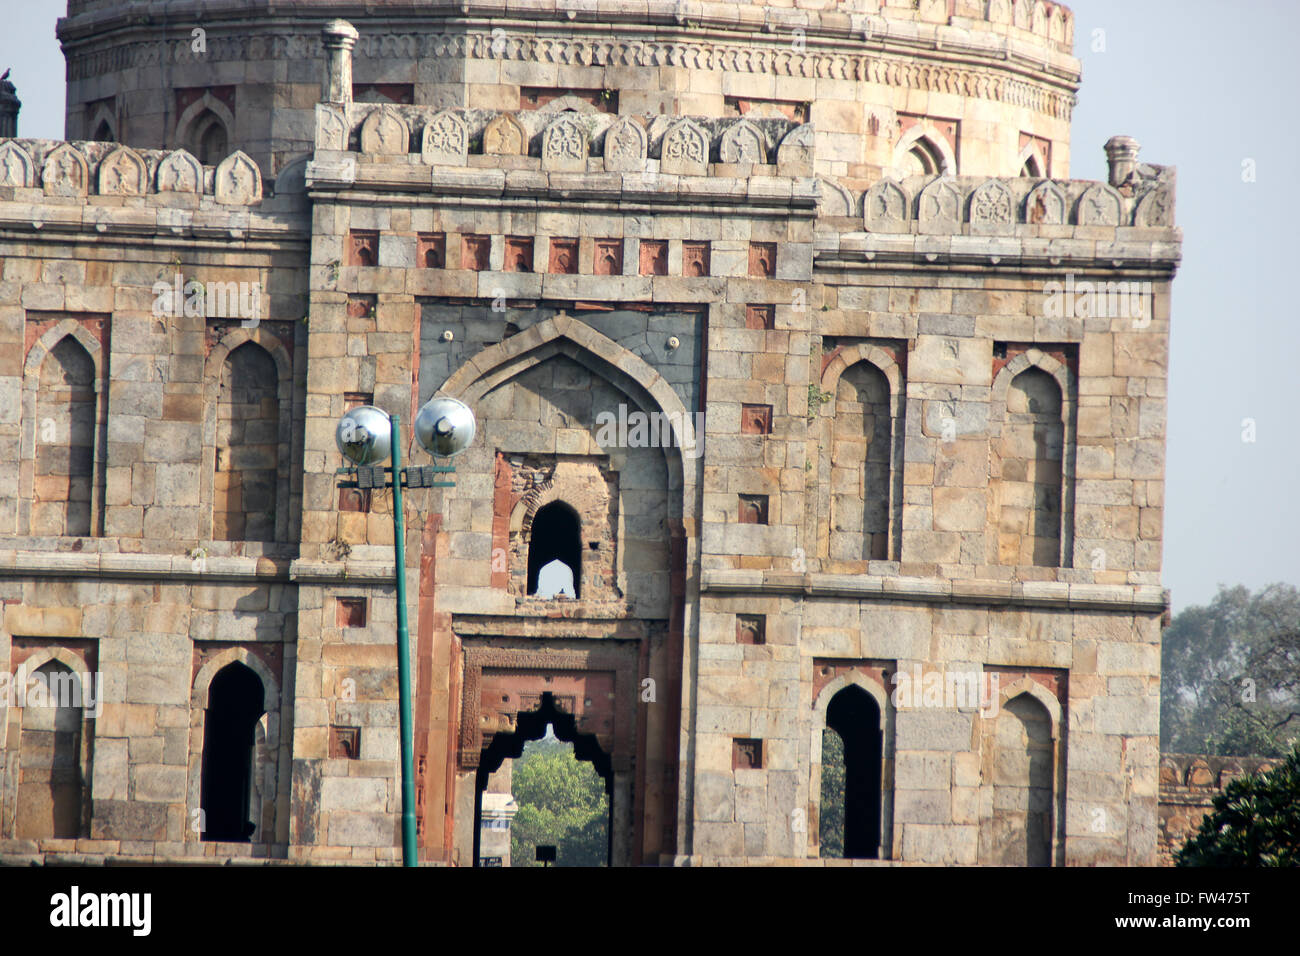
[(589, 692), (533, 726)]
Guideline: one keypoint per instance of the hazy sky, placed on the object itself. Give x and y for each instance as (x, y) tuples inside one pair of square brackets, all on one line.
[(1188, 80)]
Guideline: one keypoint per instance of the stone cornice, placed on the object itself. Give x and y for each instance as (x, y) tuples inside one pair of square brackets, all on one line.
[(119, 565), (1047, 594), (1135, 252), (22, 564), (940, 60), (747, 195)]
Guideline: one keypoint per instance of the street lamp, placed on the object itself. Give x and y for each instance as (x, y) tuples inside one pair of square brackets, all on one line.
[(366, 436)]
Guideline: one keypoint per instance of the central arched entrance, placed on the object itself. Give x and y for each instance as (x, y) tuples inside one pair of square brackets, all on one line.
[(530, 726)]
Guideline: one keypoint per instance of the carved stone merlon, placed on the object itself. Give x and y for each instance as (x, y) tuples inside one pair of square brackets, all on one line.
[(1122, 155), (339, 37)]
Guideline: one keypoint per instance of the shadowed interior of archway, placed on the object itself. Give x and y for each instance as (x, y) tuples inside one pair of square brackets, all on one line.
[(852, 722), (236, 703), (532, 726)]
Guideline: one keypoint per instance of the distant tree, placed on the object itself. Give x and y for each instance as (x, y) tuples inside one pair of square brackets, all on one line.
[(1230, 680), (830, 829), (1255, 822), (562, 803)]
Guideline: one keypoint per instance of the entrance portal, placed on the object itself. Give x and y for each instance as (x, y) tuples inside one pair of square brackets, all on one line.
[(532, 726)]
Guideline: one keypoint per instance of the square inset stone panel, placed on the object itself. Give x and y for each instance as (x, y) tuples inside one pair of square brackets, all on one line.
[(756, 419), (363, 247), (762, 259), (345, 743), (432, 250), (746, 754), (654, 257), (476, 252), (564, 256), (695, 259), (609, 257), (351, 611), (751, 629), (760, 317), (354, 499), (519, 254), (362, 306), (752, 509)]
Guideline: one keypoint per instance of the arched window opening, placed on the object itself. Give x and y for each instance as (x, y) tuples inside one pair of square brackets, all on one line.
[(1032, 168), (1020, 831), (104, 133), (208, 139), (236, 702), (1032, 447), (65, 441), (923, 159), (555, 552), (49, 766), (557, 795), (248, 424), (860, 466), (850, 814)]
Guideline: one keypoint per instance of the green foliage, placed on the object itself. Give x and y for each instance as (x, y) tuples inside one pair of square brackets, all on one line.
[(1255, 822), (562, 803), (816, 399), (830, 822), (1231, 674)]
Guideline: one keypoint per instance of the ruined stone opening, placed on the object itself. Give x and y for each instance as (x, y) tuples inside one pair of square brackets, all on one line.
[(1032, 168), (104, 133), (1020, 831), (65, 441), (850, 806), (247, 460), (1032, 455), (861, 486), (554, 545), (208, 139), (49, 760), (924, 159), (532, 726), (236, 702)]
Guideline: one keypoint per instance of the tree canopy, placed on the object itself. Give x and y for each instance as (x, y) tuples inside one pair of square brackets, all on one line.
[(1255, 822), (1231, 674), (562, 803)]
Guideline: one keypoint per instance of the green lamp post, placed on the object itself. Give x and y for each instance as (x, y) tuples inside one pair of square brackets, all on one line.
[(367, 436)]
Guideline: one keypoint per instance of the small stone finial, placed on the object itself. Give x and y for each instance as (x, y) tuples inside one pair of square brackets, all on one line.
[(9, 106), (1122, 156), (339, 37)]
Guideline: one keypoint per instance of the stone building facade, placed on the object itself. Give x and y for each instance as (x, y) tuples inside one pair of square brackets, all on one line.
[(786, 331)]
